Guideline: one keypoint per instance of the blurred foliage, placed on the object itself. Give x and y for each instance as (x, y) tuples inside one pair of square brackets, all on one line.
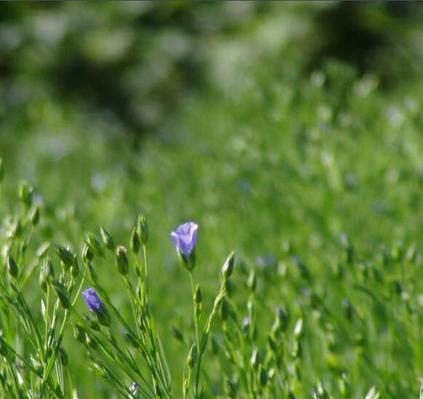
[(136, 60)]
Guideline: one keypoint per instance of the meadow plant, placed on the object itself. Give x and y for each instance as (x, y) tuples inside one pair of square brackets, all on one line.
[(128, 354), (280, 331)]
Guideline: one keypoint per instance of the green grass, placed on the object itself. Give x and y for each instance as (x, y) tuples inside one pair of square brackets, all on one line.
[(314, 181)]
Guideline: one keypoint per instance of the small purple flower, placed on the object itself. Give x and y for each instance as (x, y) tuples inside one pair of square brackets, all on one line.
[(92, 300), (185, 238)]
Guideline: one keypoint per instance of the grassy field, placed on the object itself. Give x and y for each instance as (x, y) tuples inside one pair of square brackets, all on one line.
[(313, 176)]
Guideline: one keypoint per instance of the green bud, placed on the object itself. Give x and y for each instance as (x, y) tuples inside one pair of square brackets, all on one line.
[(263, 376), (65, 255), (97, 368), (79, 333), (15, 229), (122, 260), (107, 239), (297, 350), (62, 294), (272, 343), (254, 359), (35, 215), (95, 245), (282, 318), (22, 247), (75, 267), (87, 254), (252, 281), (91, 342), (103, 317), (46, 273), (197, 300), (228, 266), (191, 357), (12, 268), (135, 241), (177, 333), (25, 194), (197, 295), (92, 323), (143, 229), (298, 329)]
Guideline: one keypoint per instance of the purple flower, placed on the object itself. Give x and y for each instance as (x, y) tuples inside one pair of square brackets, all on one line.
[(92, 300), (185, 238)]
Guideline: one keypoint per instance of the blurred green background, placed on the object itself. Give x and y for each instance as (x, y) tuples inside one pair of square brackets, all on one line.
[(265, 122)]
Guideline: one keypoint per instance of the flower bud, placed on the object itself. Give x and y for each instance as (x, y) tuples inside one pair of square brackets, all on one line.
[(87, 254), (95, 246), (135, 241), (35, 216), (254, 359), (79, 333), (65, 255), (46, 273), (107, 239), (197, 301), (91, 342), (15, 229), (185, 240), (252, 281), (191, 357), (96, 306), (122, 260), (228, 267), (177, 333), (75, 267), (12, 268), (298, 329), (272, 343), (25, 194), (197, 296), (263, 376), (282, 319), (62, 295), (143, 229)]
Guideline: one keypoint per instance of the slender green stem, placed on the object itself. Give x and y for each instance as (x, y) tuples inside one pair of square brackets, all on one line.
[(197, 340)]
